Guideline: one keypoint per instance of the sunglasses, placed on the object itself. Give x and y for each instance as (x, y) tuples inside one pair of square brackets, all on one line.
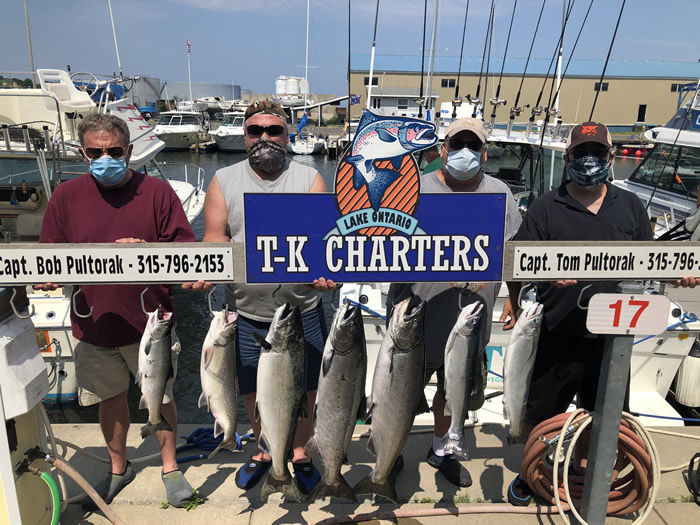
[(474, 145), (600, 151), (255, 130), (116, 152)]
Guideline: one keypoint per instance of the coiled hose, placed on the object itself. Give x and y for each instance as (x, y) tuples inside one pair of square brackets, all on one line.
[(55, 497)]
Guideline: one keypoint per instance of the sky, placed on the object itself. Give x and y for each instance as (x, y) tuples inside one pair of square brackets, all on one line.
[(251, 42)]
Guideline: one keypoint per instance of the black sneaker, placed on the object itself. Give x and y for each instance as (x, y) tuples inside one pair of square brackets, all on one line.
[(109, 487), (519, 492), (249, 475), (306, 476), (454, 471)]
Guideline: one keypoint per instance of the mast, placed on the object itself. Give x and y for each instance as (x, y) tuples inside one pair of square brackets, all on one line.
[(116, 46), (189, 74), (432, 58), (306, 67), (371, 60)]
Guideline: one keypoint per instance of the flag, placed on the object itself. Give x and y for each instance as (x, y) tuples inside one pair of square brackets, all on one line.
[(303, 121), (189, 46), (354, 99)]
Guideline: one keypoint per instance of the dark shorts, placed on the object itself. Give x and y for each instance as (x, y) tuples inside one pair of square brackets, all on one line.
[(565, 367), (248, 352)]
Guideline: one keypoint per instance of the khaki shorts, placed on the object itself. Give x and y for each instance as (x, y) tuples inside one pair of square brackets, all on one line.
[(103, 373)]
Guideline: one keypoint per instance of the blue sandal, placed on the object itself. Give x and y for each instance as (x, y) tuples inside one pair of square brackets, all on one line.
[(306, 476), (249, 474)]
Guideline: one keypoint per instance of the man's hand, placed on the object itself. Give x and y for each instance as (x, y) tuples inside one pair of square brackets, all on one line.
[(687, 282), (47, 287), (199, 286), (563, 284), (129, 240), (509, 317), (323, 285)]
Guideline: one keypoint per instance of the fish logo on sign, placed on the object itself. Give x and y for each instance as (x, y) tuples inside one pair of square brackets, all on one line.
[(377, 183)]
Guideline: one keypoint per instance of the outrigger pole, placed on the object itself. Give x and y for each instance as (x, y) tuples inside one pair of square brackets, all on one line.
[(371, 61), (29, 42), (116, 46), (422, 60), (432, 58), (496, 100), (456, 100)]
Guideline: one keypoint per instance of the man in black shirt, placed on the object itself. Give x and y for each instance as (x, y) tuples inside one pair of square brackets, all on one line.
[(586, 207)]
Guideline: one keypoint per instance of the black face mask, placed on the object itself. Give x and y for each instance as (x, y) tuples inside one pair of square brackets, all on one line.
[(266, 155)]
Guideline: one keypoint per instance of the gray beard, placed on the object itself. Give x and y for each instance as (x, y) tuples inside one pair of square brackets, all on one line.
[(266, 155)]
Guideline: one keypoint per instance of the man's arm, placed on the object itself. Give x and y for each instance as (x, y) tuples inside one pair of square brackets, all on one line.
[(321, 284), (215, 227), (319, 185)]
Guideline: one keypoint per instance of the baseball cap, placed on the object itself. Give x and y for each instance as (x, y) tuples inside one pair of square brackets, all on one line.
[(474, 125), (589, 132), (267, 107)]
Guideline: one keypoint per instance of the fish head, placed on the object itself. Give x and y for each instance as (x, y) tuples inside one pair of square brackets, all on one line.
[(417, 135), (531, 319), (159, 322), (469, 318), (286, 324), (406, 325), (347, 331), (223, 325)]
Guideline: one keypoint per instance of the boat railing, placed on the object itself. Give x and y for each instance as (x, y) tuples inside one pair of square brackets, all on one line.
[(189, 173)]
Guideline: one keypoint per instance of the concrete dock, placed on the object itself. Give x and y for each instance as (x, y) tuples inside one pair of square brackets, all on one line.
[(420, 487)]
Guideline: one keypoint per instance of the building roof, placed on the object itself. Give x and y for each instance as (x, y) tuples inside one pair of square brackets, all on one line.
[(537, 66), (407, 92)]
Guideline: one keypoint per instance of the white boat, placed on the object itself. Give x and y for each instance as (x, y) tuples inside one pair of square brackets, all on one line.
[(39, 149), (229, 136), (305, 144), (181, 129), (189, 105), (668, 178)]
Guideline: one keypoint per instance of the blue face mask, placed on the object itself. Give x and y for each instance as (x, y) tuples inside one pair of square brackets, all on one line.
[(463, 163), (589, 170), (108, 171)]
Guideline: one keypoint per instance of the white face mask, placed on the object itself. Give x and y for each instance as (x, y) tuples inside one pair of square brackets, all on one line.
[(463, 163)]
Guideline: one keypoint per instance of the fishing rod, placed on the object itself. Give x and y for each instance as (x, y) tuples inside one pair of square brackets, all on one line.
[(488, 56), (456, 101), (432, 59), (475, 101), (422, 61), (537, 110), (607, 59), (371, 61), (347, 119), (496, 100), (515, 111)]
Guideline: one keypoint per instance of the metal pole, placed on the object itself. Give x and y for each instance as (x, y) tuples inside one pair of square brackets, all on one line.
[(430, 63), (29, 42), (371, 60), (116, 47), (189, 76), (605, 428)]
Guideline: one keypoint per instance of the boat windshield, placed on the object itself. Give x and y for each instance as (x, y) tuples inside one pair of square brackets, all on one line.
[(178, 120), (232, 120), (672, 168)]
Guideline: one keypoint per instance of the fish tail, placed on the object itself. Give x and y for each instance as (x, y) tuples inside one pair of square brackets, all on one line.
[(454, 444), (150, 429), (340, 490), (228, 444), (367, 486), (285, 485)]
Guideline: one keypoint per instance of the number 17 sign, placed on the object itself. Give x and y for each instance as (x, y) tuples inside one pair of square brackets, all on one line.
[(634, 314)]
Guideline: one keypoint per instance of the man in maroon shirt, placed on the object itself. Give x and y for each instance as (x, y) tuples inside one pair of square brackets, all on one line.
[(113, 203)]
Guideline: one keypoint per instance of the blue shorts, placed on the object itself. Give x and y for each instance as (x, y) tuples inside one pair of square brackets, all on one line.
[(248, 352)]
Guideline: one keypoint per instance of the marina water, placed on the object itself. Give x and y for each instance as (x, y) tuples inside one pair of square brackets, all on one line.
[(192, 308)]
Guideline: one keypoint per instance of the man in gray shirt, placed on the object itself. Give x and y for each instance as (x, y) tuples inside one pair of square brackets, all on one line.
[(463, 154), (266, 170)]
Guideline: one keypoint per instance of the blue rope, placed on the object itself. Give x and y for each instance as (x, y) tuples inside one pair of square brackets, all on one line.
[(365, 308), (685, 319), (694, 420), (203, 439), (494, 373)]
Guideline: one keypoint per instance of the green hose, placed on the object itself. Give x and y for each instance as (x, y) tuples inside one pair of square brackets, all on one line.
[(55, 498)]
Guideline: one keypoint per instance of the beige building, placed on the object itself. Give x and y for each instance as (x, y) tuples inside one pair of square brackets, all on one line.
[(632, 91)]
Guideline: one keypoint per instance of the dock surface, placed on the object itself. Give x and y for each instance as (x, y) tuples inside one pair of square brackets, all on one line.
[(420, 487)]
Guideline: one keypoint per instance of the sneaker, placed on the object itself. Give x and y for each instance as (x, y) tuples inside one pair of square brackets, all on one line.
[(306, 476), (449, 465), (519, 492), (177, 490), (396, 468), (109, 487), (249, 475)]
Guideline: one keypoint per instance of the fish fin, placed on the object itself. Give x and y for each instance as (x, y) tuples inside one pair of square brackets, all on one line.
[(138, 377), (362, 409), (218, 429), (423, 407), (228, 444), (340, 490), (149, 429), (175, 348), (142, 403), (256, 412), (396, 162), (367, 486), (262, 444), (327, 360), (454, 444), (304, 408), (207, 354), (285, 485), (353, 159), (369, 165), (385, 136), (357, 179), (261, 341), (371, 448), (203, 401), (369, 405), (147, 348), (391, 361)]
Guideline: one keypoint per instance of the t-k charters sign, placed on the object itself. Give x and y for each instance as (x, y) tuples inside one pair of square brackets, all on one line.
[(377, 226)]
